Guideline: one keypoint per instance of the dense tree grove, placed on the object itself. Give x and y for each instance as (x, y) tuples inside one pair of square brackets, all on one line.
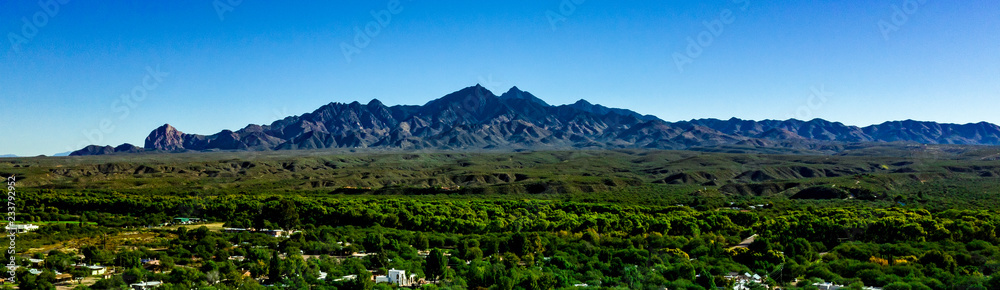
[(514, 244)]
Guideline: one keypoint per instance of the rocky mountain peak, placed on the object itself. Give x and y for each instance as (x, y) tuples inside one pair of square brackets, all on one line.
[(165, 138), (474, 118)]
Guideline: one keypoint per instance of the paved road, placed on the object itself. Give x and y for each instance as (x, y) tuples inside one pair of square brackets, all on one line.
[(746, 242)]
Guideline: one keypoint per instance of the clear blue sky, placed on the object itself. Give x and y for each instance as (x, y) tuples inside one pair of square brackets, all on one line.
[(262, 61)]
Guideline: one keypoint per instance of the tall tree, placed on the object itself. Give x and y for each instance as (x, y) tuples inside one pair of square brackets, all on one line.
[(363, 281), (705, 279), (287, 215), (275, 268), (421, 243), (436, 264)]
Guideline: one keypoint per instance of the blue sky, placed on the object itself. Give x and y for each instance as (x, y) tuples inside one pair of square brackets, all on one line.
[(260, 61)]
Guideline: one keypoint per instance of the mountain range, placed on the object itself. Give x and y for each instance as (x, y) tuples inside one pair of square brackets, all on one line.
[(475, 118)]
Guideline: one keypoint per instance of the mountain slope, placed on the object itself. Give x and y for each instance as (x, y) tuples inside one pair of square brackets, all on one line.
[(475, 118)]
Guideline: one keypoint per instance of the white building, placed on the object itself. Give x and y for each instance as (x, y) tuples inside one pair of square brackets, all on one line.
[(94, 269), (398, 277), (20, 228), (831, 286), (743, 282), (146, 285)]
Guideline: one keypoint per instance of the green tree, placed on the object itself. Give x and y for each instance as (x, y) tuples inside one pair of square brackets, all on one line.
[(993, 283), (473, 254), (436, 264), (79, 272), (801, 251), (128, 259), (185, 276), (133, 275), (285, 214), (940, 259), (26, 280), (93, 255), (706, 280), (275, 268), (897, 286), (379, 259), (363, 280), (421, 243), (760, 245), (115, 282)]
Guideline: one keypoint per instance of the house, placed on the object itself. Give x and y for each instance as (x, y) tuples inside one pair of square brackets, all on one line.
[(831, 286), (146, 285), (21, 228), (94, 269), (36, 262), (184, 220), (63, 278), (743, 282), (34, 271), (152, 265), (234, 230), (398, 277), (273, 233)]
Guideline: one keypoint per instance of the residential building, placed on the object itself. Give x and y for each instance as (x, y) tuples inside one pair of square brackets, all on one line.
[(398, 277), (21, 228), (64, 277), (743, 282), (146, 285), (184, 220), (94, 269), (831, 286)]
